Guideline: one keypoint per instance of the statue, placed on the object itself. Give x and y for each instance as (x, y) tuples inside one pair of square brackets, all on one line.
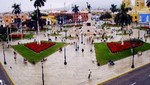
[(88, 7)]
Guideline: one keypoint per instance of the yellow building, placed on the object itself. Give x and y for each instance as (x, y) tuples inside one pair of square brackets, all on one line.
[(9, 18), (139, 4), (137, 9), (135, 16), (127, 3), (49, 19)]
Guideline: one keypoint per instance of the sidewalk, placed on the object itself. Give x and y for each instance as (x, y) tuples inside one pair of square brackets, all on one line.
[(74, 73)]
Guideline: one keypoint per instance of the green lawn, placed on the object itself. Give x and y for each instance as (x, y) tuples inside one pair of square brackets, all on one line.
[(141, 28), (103, 54), (55, 34), (31, 56), (28, 36)]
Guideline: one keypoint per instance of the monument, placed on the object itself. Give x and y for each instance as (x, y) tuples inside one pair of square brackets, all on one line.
[(88, 26)]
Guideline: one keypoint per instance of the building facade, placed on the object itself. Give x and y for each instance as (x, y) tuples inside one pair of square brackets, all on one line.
[(70, 17), (9, 18), (49, 19)]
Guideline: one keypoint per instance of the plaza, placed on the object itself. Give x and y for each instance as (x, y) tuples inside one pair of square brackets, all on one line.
[(78, 53)]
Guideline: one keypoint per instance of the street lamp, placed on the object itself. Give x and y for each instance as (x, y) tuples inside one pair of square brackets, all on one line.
[(139, 33), (65, 62), (4, 54), (42, 73), (65, 34), (81, 38), (132, 44)]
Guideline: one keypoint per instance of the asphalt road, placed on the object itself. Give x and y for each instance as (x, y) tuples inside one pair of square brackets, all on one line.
[(140, 76), (4, 76)]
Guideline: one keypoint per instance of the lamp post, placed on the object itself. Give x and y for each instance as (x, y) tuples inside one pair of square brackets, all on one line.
[(4, 54), (42, 72), (65, 34), (81, 38), (65, 62), (132, 66), (7, 34)]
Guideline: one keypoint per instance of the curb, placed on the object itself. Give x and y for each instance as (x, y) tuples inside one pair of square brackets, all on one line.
[(121, 74), (7, 74)]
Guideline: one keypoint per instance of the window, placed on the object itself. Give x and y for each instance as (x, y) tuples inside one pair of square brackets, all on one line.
[(147, 18), (135, 17), (12, 20), (140, 19)]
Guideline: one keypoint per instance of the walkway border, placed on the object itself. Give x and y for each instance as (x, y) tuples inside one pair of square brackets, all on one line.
[(121, 74), (7, 74)]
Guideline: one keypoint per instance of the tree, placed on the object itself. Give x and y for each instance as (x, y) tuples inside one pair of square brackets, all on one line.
[(75, 9), (148, 3), (16, 10), (113, 8), (31, 23), (107, 16), (37, 5), (123, 19)]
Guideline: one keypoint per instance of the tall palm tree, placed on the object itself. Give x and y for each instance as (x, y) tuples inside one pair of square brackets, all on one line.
[(37, 5), (113, 8), (122, 18), (75, 9), (148, 3), (16, 10)]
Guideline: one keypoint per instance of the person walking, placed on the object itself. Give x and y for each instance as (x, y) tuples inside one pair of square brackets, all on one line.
[(15, 55), (90, 72)]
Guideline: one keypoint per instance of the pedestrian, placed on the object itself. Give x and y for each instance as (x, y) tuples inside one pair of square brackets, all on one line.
[(90, 72), (82, 50), (15, 54)]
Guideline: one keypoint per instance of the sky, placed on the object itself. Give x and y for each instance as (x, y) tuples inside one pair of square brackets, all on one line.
[(27, 5)]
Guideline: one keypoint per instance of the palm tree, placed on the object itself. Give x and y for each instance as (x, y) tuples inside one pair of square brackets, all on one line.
[(148, 3), (122, 18), (37, 5), (75, 9), (16, 10), (113, 8), (107, 16)]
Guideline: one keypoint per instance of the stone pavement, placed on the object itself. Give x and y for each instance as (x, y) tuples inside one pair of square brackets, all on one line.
[(76, 70)]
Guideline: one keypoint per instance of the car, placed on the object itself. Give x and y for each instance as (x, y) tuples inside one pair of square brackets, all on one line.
[(2, 82)]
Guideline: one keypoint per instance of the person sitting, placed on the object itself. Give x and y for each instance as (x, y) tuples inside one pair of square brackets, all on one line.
[(111, 62), (25, 60)]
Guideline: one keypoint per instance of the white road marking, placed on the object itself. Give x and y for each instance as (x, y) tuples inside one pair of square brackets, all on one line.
[(149, 75), (133, 83)]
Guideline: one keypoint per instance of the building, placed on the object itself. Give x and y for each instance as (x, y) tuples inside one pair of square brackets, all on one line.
[(140, 12), (49, 19), (69, 17), (127, 3), (9, 18), (139, 4)]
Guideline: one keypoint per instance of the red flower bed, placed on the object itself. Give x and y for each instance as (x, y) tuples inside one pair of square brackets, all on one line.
[(117, 47), (14, 36), (146, 27), (38, 48)]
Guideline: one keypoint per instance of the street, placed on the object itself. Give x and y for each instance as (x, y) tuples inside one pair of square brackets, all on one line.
[(4, 76), (140, 76)]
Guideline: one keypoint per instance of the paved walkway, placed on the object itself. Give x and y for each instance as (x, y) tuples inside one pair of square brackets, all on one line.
[(76, 70)]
